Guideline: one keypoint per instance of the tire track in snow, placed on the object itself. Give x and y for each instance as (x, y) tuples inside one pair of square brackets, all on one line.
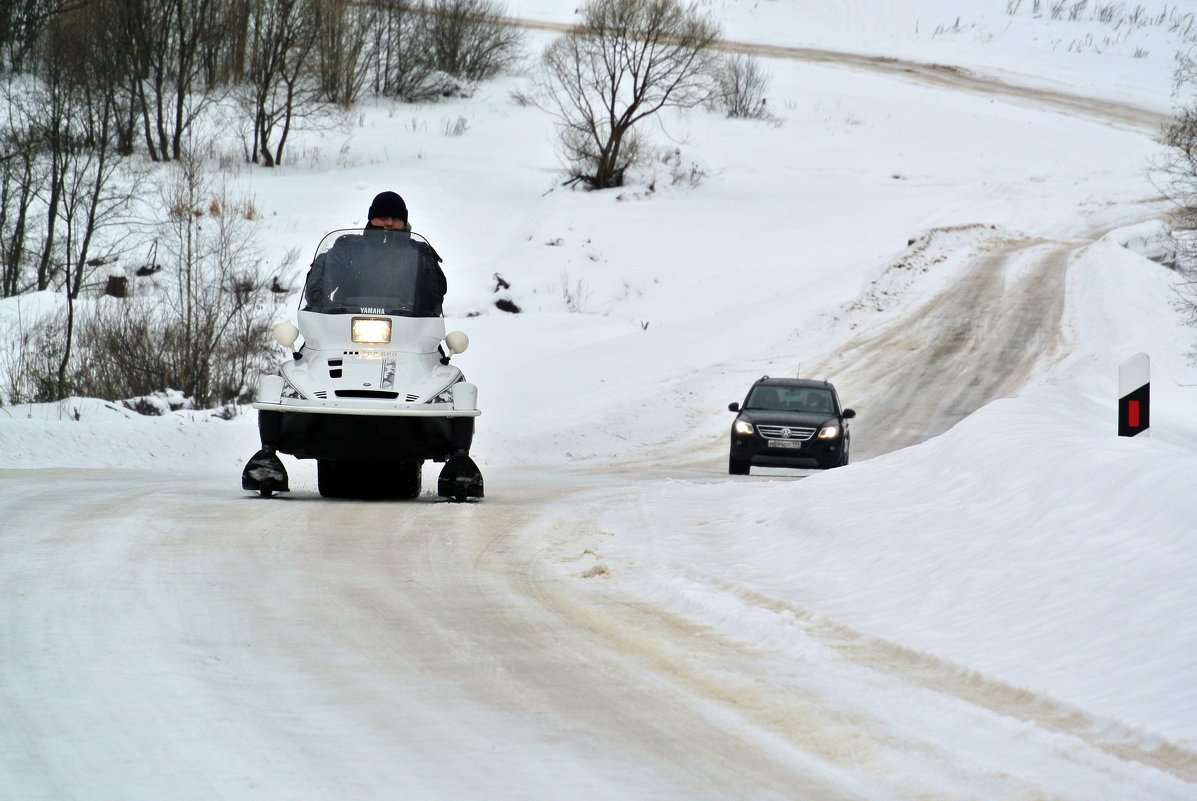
[(981, 338), (942, 76), (942, 676), (889, 715), (806, 745)]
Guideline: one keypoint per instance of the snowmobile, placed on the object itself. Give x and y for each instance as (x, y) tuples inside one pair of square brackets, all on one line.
[(370, 393)]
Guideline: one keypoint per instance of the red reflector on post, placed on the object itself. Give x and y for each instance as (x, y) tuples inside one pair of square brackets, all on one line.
[(1134, 396)]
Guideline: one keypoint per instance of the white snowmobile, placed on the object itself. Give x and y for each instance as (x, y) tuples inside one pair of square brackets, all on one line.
[(370, 394)]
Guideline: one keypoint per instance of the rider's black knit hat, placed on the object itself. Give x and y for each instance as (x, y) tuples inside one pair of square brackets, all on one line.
[(388, 204)]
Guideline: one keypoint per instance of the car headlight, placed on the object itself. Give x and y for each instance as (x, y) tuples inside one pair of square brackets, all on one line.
[(371, 331), (742, 427), (829, 431)]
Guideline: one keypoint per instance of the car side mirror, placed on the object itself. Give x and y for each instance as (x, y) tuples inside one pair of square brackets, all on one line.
[(848, 414), (733, 407)]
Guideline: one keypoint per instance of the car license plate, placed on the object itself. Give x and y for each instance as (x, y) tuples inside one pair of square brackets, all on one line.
[(784, 443)]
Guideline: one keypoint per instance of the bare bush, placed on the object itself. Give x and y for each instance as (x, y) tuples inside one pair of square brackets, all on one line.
[(1175, 172), (741, 84), (456, 127), (30, 360), (136, 348), (681, 173), (204, 330), (471, 39)]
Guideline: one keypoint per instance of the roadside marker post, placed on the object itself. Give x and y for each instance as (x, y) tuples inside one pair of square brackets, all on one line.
[(1134, 396)]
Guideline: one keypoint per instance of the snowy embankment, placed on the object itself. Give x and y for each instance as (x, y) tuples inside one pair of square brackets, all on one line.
[(1029, 544)]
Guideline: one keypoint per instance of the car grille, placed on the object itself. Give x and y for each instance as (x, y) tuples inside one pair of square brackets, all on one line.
[(786, 432)]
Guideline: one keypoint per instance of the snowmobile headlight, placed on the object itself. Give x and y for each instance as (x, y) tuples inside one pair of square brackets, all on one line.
[(371, 331)]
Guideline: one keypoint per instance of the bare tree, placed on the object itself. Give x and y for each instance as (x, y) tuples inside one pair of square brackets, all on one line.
[(624, 62), (22, 23), (60, 159), (48, 122), (400, 62), (470, 39), (342, 65), (164, 43), (70, 122), (224, 50), (282, 37), (21, 175), (1175, 174), (95, 190)]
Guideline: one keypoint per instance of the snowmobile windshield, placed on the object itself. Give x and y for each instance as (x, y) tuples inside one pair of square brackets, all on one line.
[(375, 272)]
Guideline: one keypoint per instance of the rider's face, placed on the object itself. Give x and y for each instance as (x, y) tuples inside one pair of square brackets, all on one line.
[(389, 223)]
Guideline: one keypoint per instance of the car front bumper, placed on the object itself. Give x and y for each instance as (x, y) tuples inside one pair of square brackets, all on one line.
[(813, 452)]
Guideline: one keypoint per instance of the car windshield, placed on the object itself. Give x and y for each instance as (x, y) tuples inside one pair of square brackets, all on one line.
[(371, 272), (790, 399)]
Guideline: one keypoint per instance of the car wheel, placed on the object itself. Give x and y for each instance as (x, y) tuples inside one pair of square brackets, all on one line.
[(738, 467)]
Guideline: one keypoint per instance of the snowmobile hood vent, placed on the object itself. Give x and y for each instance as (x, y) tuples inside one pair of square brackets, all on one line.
[(366, 393)]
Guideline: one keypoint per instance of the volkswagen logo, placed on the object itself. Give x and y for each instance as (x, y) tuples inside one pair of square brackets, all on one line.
[(785, 433)]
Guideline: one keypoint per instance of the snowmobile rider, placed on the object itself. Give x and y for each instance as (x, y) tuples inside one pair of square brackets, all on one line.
[(388, 212)]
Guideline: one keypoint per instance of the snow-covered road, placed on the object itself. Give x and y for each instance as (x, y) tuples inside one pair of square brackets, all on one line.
[(996, 327), (173, 640)]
